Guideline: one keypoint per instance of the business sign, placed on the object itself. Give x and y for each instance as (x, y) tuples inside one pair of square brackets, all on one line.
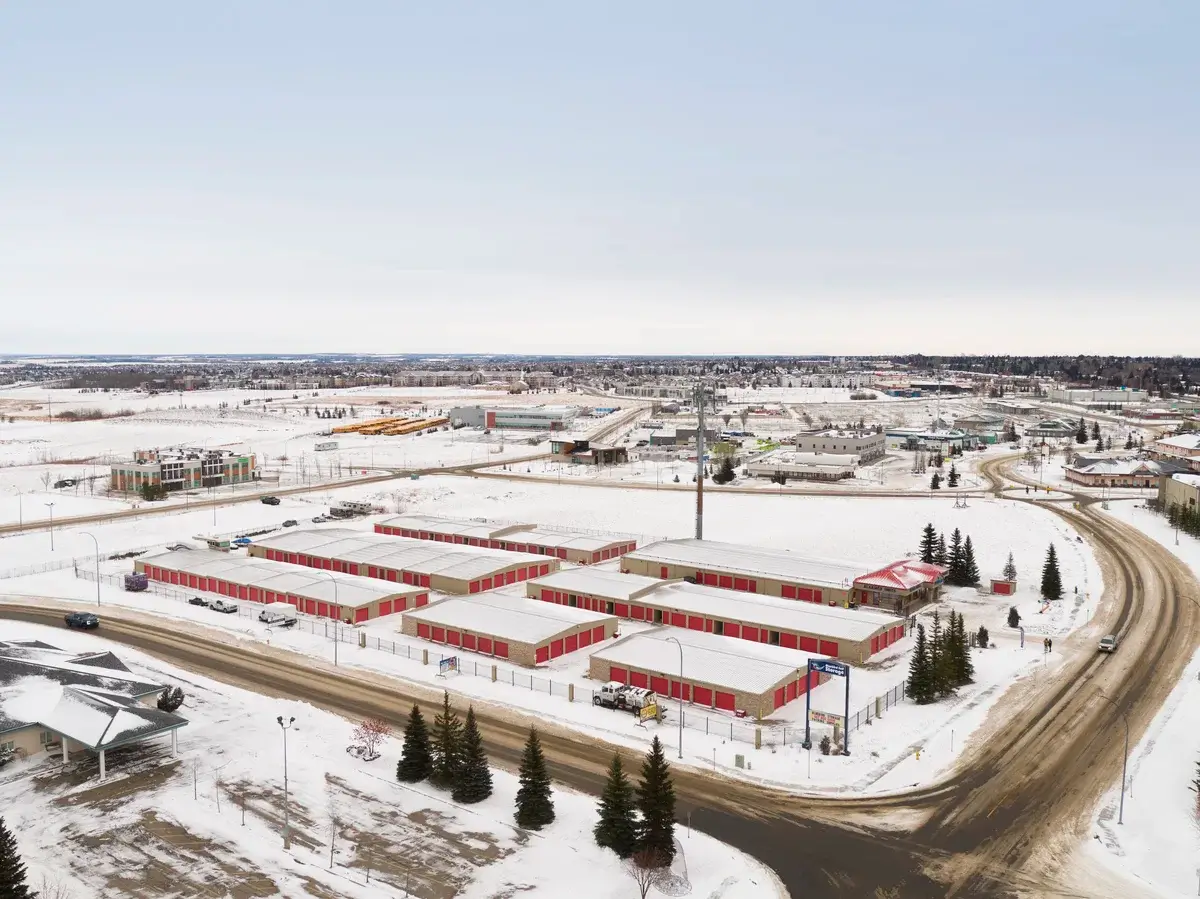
[(829, 666), (825, 717), (646, 712), (447, 665)]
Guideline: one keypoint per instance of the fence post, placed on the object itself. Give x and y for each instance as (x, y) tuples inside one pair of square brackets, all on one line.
[(570, 692), (758, 738), (424, 656), (878, 706), (493, 674)]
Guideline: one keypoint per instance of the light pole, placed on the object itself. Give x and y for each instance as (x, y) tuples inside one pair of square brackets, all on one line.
[(286, 727), (21, 512), (337, 612), (50, 506), (1125, 760), (97, 542), (680, 645)]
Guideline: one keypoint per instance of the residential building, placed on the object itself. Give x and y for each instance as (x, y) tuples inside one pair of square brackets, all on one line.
[(587, 452), (866, 445), (183, 468)]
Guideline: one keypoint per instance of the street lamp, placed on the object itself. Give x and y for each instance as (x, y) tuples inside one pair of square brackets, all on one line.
[(97, 542), (680, 645), (20, 511), (50, 506), (337, 611), (1125, 760), (286, 727)]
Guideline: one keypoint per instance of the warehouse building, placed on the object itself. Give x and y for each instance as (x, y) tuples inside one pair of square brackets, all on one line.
[(535, 418), (509, 626), (803, 466), (340, 596), (900, 587), (582, 549), (717, 674), (418, 563), (866, 445), (853, 635)]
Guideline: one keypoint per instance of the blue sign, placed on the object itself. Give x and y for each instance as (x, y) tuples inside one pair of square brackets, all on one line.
[(829, 666)]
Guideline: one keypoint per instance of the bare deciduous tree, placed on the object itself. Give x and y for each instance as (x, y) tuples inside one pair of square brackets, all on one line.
[(644, 867)]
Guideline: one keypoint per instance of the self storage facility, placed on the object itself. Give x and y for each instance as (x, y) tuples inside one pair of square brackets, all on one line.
[(509, 626), (341, 596), (419, 563), (899, 587), (717, 673), (852, 635), (583, 549)]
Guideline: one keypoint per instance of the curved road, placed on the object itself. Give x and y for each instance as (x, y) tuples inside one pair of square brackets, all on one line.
[(1000, 825)]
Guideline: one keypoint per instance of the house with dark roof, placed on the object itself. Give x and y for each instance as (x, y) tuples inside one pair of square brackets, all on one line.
[(54, 701)]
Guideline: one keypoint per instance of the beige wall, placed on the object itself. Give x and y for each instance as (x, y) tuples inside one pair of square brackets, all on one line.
[(27, 741), (524, 654), (1172, 491), (758, 705)]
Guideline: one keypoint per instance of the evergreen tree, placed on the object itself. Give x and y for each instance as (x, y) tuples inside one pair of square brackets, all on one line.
[(954, 576), (935, 482), (1108, 442), (1014, 617), (725, 473), (1010, 569), (12, 869), (982, 637), (1129, 441), (970, 570), (474, 781), (939, 555), (447, 746), (928, 544), (918, 688), (1099, 444), (1051, 579), (952, 478), (617, 828), (416, 760), (964, 668), (1173, 511), (535, 805), (940, 662), (1081, 432), (1095, 430), (656, 802)]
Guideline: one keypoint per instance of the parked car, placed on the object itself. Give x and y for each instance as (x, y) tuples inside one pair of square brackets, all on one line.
[(290, 523), (320, 519), (1108, 643), (270, 500), (85, 620), (221, 605), (197, 601)]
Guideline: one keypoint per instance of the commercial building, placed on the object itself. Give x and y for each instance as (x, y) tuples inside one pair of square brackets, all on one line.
[(866, 445), (509, 626), (588, 452), (680, 436), (419, 563), (716, 673), (899, 587), (1052, 429), (1010, 407), (1181, 448), (1089, 396), (535, 418), (933, 439), (182, 468), (850, 634), (582, 549), (803, 466), (987, 427), (1119, 472), (53, 702), (1181, 490), (343, 597)]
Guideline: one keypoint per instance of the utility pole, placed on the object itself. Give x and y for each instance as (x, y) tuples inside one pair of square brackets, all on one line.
[(287, 837), (97, 542), (50, 506), (700, 461)]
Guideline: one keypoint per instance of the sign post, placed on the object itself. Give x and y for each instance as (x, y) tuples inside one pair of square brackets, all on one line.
[(836, 669)]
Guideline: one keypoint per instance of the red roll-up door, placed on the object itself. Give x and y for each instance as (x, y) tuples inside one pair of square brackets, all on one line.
[(664, 572), (547, 595), (556, 648), (622, 609), (779, 697), (192, 580), (486, 584), (595, 557), (474, 588), (702, 696), (710, 580), (787, 591), (598, 633), (874, 645), (740, 583), (322, 610), (243, 592), (708, 625), (421, 600), (809, 644), (732, 630), (423, 631), (804, 593), (659, 685), (620, 675), (469, 641), (361, 615), (424, 581), (454, 638), (439, 634), (522, 574), (791, 691), (754, 586), (829, 648), (817, 596), (676, 691), (678, 619), (638, 679), (750, 633), (485, 645), (510, 577), (585, 638), (571, 643), (694, 623), (725, 701), (385, 607), (789, 641), (545, 570), (541, 654), (898, 632), (501, 650), (725, 581), (639, 613)]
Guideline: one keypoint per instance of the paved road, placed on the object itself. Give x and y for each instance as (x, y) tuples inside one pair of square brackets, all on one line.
[(1002, 823)]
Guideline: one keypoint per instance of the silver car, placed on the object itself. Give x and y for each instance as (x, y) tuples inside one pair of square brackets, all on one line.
[(1108, 643)]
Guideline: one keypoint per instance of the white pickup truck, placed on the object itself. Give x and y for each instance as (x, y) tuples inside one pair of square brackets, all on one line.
[(278, 614)]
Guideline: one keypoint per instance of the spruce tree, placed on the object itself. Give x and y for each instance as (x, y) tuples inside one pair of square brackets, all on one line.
[(1010, 569), (416, 761), (535, 806), (918, 687), (939, 663), (1099, 444), (1095, 430), (1081, 431), (928, 544), (1014, 617), (954, 576), (474, 781), (447, 746), (656, 802), (982, 637), (935, 482), (617, 828), (12, 869), (970, 571), (940, 556), (1051, 579), (1129, 440), (952, 478)]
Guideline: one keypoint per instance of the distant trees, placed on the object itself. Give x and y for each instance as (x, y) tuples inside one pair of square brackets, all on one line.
[(1014, 617), (474, 781), (1186, 518), (656, 802), (617, 827), (1095, 430), (1051, 578), (1129, 441), (982, 637), (453, 759), (1010, 569), (446, 747), (1081, 434), (962, 570), (940, 556)]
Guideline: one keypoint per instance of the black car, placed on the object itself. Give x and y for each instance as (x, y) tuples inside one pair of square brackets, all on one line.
[(290, 523), (271, 500), (197, 601), (84, 620)]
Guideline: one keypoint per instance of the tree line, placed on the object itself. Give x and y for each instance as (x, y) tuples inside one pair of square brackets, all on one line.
[(941, 661), (958, 558)]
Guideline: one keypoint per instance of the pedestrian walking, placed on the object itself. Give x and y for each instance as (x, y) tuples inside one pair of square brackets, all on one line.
[(1045, 645), (1049, 645)]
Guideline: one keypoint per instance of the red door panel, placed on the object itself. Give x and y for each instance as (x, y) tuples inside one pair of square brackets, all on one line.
[(469, 641), (585, 638), (638, 679), (732, 630), (659, 685), (598, 633), (750, 633), (618, 674), (439, 634), (501, 650), (725, 701), (695, 624), (678, 619), (571, 643), (556, 648), (702, 696), (809, 644), (789, 641), (454, 638), (485, 645), (829, 648), (541, 654), (361, 615), (779, 697)]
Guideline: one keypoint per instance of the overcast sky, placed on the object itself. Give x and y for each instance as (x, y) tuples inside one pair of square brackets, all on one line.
[(600, 178)]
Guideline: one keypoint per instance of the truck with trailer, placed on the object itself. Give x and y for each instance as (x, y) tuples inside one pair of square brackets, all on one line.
[(616, 695), (278, 614)]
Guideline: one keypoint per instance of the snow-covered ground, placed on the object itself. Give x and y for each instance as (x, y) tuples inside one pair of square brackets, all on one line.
[(213, 814)]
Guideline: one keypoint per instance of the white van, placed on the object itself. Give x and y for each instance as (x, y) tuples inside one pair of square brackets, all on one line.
[(278, 614)]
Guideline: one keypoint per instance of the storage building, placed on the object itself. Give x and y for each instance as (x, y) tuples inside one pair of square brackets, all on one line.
[(853, 635), (419, 563), (582, 549), (899, 587), (341, 596), (509, 626), (717, 673)]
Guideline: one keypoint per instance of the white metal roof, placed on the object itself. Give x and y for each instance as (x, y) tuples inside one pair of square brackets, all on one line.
[(735, 665), (510, 533), (351, 590), (776, 564), (506, 616), (1192, 479), (598, 582)]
